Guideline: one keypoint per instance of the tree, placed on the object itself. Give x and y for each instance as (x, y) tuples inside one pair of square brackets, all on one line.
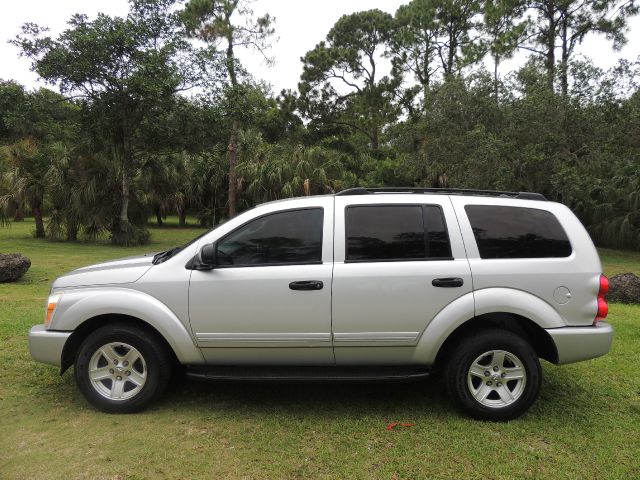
[(341, 83), (434, 40), (504, 27), (12, 100), (281, 171), (26, 177), (457, 20), (33, 123), (124, 69), (232, 23), (416, 39), (565, 23)]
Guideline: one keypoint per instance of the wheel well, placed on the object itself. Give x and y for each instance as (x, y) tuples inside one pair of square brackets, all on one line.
[(88, 326), (534, 334)]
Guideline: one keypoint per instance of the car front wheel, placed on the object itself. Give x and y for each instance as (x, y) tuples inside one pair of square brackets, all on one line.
[(121, 368), (493, 375)]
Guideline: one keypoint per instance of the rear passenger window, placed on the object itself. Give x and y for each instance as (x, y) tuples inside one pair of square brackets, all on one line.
[(515, 232), (395, 233), (437, 236)]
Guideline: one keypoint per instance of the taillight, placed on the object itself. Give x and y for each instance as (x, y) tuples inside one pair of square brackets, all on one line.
[(603, 308)]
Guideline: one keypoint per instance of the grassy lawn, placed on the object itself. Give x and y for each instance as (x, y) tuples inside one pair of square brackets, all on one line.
[(586, 424)]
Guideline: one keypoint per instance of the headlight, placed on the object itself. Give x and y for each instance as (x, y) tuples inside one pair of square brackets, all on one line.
[(52, 303)]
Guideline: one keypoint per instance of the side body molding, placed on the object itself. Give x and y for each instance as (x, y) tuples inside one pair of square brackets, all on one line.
[(480, 302), (77, 306)]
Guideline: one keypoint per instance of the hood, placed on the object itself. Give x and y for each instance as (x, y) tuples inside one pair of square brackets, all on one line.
[(122, 270)]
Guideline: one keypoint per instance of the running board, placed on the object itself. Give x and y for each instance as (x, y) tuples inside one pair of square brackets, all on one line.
[(302, 374)]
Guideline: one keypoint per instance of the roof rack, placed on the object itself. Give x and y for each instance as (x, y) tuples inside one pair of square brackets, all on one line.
[(443, 191)]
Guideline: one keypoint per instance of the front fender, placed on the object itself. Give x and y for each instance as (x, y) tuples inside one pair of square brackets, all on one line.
[(482, 302), (78, 306)]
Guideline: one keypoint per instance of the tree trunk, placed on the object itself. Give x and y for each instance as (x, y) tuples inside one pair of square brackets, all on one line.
[(126, 166), (451, 53), (158, 217), (233, 138), (374, 137), (233, 180), (18, 216), (72, 230), (564, 62), (37, 214), (496, 63), (550, 61), (182, 217)]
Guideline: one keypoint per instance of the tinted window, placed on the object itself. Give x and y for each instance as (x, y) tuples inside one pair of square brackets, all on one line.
[(395, 232), (289, 237), (437, 236), (513, 232)]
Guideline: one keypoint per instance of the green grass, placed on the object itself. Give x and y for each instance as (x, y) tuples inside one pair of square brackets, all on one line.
[(619, 261), (586, 423)]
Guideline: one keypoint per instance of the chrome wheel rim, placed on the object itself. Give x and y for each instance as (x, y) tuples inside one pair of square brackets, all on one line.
[(496, 379), (117, 371)]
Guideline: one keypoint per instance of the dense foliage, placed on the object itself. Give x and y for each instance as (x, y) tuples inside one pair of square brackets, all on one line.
[(157, 116)]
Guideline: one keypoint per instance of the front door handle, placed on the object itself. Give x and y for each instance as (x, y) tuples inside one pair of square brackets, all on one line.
[(306, 285), (447, 282)]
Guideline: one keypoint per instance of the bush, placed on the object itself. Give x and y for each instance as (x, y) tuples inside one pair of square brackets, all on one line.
[(126, 234)]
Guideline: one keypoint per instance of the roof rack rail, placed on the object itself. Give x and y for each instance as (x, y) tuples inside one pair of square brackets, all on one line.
[(443, 191)]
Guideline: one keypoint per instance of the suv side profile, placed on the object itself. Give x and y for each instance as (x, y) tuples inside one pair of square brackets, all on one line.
[(366, 284)]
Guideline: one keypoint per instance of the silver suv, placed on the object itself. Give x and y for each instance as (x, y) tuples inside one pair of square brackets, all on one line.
[(367, 284)]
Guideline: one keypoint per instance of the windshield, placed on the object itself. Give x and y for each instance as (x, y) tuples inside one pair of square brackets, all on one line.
[(194, 240), (167, 254)]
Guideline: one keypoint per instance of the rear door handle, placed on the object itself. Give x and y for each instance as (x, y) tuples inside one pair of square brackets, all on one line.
[(447, 282), (306, 285)]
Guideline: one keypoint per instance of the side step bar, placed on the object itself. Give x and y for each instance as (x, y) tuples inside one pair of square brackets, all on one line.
[(303, 374)]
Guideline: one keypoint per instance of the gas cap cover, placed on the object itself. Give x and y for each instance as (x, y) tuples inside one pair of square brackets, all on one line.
[(562, 295)]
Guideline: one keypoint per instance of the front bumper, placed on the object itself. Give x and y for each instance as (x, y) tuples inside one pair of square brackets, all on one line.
[(575, 344), (46, 345)]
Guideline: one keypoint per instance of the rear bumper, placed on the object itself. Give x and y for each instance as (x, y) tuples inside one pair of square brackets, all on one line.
[(575, 344), (46, 345)]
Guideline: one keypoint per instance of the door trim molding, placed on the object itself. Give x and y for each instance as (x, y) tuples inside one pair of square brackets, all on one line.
[(378, 339), (264, 339)]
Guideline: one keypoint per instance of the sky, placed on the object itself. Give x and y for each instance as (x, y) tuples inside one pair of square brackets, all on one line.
[(300, 25)]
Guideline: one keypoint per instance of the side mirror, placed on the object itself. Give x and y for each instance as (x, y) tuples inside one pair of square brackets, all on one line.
[(208, 255)]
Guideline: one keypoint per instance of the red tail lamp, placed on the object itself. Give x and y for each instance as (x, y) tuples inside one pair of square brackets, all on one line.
[(603, 308)]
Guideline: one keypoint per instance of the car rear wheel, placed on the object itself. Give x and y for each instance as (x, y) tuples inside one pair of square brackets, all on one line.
[(121, 368), (493, 375)]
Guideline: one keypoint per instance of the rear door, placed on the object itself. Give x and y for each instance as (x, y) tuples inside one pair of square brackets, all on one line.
[(399, 260)]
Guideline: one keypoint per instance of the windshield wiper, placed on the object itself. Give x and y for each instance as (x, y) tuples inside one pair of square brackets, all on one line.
[(166, 255)]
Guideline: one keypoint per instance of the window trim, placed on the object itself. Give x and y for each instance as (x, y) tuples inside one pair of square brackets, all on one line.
[(553, 215), (286, 264), (424, 227)]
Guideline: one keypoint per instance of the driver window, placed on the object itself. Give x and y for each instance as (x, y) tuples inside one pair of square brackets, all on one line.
[(282, 238)]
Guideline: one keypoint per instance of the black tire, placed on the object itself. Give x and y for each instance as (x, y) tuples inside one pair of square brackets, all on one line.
[(458, 376), (153, 362)]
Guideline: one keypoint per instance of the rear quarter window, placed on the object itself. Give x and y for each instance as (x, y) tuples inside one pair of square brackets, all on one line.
[(517, 232)]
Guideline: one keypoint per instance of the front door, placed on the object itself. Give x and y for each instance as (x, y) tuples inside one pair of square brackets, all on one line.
[(398, 262), (268, 301)]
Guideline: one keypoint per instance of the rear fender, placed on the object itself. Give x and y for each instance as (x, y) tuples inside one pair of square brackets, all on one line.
[(475, 304)]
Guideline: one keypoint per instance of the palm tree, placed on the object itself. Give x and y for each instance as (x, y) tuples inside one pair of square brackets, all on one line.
[(26, 177), (281, 171)]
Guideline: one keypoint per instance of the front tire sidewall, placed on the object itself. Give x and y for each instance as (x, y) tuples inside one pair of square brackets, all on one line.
[(156, 365), (472, 347)]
